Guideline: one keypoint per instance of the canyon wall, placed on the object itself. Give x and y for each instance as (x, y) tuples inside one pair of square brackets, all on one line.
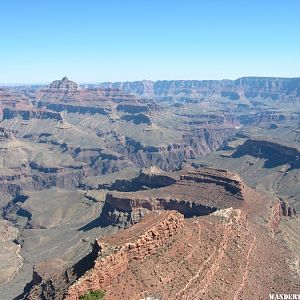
[(199, 142), (287, 89), (275, 154)]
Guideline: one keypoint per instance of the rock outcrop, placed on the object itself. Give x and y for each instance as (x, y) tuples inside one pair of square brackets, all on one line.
[(286, 210), (280, 209), (194, 193), (64, 83), (116, 253)]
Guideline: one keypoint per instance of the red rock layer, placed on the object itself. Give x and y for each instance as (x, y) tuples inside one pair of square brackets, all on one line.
[(117, 252)]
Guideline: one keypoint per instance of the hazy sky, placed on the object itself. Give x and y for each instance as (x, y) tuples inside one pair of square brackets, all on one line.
[(118, 40)]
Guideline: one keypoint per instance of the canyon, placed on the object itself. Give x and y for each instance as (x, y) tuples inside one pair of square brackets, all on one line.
[(150, 190)]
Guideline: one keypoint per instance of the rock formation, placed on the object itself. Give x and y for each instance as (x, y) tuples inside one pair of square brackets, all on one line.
[(287, 89), (116, 253), (64, 83), (194, 193)]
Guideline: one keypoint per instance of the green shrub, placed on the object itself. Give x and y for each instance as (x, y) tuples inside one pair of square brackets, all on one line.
[(93, 295)]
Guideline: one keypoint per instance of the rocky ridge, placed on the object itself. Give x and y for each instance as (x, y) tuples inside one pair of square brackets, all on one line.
[(108, 259)]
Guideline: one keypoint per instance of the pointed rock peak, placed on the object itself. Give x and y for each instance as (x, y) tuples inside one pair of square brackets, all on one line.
[(64, 83)]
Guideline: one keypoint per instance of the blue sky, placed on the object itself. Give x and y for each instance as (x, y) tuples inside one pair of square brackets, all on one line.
[(118, 40)]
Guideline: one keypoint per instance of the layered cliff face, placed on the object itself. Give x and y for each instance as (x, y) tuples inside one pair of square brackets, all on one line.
[(194, 193), (12, 154), (65, 90), (137, 119), (287, 89), (170, 157), (275, 154), (82, 109), (12, 99), (208, 120), (268, 117), (274, 88), (149, 88)]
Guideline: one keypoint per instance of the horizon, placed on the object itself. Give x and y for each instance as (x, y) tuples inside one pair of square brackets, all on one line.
[(4, 84), (118, 41)]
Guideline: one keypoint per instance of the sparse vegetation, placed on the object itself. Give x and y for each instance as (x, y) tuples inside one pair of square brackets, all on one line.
[(93, 295)]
